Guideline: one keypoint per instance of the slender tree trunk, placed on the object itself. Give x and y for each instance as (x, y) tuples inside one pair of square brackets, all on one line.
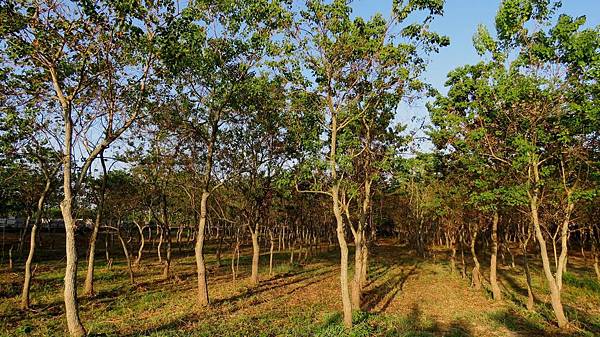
[(89, 278), (596, 268), (218, 252), (493, 264), (203, 299), (159, 246), (127, 257), (32, 241), (23, 233), (453, 256), (476, 273), (167, 267), (271, 253), (138, 259), (28, 274), (255, 256), (530, 298)]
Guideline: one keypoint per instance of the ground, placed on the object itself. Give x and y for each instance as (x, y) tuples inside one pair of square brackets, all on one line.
[(405, 296)]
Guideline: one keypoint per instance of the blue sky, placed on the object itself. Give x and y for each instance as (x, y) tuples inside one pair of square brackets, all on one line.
[(459, 22)]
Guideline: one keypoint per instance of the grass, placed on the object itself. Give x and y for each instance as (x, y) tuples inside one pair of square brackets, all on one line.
[(406, 296)]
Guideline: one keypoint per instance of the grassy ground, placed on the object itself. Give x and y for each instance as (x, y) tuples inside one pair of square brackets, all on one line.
[(406, 296)]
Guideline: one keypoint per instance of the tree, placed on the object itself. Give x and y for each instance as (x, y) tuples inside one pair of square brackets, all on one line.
[(210, 52), (527, 112), (75, 55), (358, 68)]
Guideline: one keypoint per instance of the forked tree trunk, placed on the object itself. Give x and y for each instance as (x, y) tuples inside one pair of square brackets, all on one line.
[(555, 297), (203, 299), (497, 294), (346, 303)]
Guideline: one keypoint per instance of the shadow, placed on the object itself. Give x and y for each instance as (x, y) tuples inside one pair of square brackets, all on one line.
[(274, 284), (524, 326), (390, 288)]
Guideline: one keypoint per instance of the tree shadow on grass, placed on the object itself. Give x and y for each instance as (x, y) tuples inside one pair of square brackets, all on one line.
[(521, 325), (279, 282), (414, 324), (389, 288)]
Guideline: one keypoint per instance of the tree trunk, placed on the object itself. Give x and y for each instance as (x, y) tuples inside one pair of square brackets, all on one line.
[(271, 253), (497, 294), (346, 303), (358, 266), (167, 267), (28, 276), (76, 329), (22, 236), (127, 257), (476, 273), (555, 297), (107, 252), (159, 246), (138, 259), (32, 243), (89, 278), (203, 299), (596, 268), (255, 257), (530, 298)]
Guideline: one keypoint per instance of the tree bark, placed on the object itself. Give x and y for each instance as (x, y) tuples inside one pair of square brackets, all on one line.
[(138, 259), (74, 325), (346, 303), (203, 299), (555, 297), (127, 256), (255, 255), (476, 273), (497, 294), (271, 253), (32, 241), (89, 277)]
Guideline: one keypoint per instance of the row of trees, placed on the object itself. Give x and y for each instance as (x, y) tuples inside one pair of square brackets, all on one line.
[(279, 121)]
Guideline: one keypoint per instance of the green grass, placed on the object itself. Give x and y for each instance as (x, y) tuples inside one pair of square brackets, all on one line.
[(412, 297)]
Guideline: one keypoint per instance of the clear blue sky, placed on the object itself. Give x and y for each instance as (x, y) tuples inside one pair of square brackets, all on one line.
[(459, 22)]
